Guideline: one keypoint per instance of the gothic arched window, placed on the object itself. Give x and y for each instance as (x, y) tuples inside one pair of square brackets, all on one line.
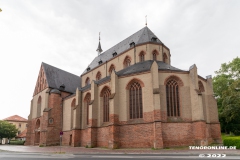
[(111, 68), (73, 104), (135, 101), (127, 62), (106, 94), (39, 103), (141, 57), (201, 87), (98, 76), (154, 56), (87, 82), (165, 58), (87, 101), (172, 94)]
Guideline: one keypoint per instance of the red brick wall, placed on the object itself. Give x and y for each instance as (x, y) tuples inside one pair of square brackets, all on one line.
[(66, 138), (177, 134), (103, 136), (137, 136), (216, 132)]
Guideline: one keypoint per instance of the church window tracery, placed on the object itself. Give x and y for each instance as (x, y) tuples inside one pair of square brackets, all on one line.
[(165, 58), (106, 94), (154, 56), (172, 94), (141, 57), (135, 101), (111, 68), (127, 62), (98, 76), (87, 103)]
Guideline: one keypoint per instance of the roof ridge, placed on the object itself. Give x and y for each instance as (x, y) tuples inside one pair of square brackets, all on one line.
[(122, 41), (13, 117), (59, 69), (138, 37)]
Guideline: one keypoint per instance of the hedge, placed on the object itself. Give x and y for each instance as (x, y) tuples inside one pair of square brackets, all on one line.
[(232, 141), (17, 142)]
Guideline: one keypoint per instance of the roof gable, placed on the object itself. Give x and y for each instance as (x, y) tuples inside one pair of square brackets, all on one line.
[(142, 36), (15, 118), (41, 83), (56, 77)]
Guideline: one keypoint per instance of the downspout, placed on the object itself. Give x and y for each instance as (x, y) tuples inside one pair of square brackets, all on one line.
[(106, 68), (134, 54)]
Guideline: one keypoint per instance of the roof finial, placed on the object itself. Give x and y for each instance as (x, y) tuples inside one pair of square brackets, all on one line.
[(99, 49), (146, 20)]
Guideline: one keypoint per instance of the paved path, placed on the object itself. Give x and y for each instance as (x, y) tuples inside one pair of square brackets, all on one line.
[(82, 150)]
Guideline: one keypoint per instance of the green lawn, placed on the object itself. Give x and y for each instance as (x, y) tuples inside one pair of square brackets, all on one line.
[(224, 136)]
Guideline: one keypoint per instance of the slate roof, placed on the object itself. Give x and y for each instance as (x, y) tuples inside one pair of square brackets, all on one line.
[(56, 77), (142, 36), (15, 118), (146, 66)]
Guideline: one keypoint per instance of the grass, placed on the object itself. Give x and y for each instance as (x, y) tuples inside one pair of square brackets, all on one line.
[(224, 136)]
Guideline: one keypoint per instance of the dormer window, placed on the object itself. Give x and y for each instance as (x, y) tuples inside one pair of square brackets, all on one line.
[(154, 39), (62, 87), (114, 53), (88, 69), (132, 44), (100, 62)]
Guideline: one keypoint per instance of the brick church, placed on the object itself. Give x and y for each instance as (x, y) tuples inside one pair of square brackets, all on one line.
[(129, 96)]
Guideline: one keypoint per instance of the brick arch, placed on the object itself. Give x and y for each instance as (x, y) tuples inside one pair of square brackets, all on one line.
[(200, 86), (37, 133), (103, 90), (132, 81), (73, 104), (111, 68), (37, 124), (176, 78)]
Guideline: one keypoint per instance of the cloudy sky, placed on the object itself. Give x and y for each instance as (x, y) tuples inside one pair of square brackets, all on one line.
[(64, 33)]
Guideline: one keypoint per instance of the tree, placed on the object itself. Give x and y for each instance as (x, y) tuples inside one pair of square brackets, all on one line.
[(7, 130), (226, 86)]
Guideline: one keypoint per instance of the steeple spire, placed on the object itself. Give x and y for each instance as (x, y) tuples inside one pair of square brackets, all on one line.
[(99, 49), (146, 20)]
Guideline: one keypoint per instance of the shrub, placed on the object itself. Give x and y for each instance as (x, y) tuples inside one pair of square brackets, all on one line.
[(232, 141), (15, 142)]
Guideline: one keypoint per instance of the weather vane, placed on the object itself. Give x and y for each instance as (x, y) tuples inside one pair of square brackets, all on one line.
[(146, 20), (99, 36)]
